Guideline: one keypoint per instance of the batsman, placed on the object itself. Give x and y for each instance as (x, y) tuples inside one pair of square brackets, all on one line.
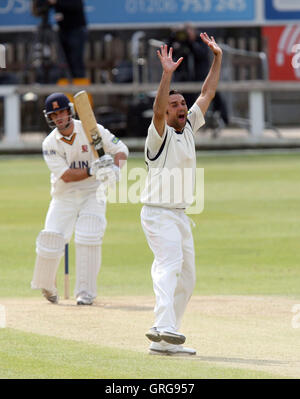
[(76, 173)]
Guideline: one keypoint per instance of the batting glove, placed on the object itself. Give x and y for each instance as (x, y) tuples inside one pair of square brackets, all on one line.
[(100, 163), (109, 175)]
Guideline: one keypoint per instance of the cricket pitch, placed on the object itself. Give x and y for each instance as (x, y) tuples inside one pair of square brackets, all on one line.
[(253, 332)]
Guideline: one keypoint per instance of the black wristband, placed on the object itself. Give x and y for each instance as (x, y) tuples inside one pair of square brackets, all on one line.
[(89, 171)]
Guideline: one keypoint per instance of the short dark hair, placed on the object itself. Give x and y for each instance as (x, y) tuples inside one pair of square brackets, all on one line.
[(171, 92)]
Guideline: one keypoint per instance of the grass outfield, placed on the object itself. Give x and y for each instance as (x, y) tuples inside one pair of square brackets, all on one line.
[(59, 358), (246, 241)]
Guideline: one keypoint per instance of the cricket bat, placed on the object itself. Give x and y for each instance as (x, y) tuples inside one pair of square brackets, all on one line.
[(89, 123)]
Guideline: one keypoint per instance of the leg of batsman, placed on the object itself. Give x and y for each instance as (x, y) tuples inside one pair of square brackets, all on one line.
[(50, 249), (89, 231)]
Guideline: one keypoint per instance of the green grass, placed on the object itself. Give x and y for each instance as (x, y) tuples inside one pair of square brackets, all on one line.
[(247, 237), (24, 355), (246, 240)]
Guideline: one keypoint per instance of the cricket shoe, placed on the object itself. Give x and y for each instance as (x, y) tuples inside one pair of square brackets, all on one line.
[(164, 349), (153, 334), (84, 299), (172, 337), (50, 296)]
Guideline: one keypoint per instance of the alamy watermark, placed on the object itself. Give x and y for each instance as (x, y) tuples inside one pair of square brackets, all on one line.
[(296, 318), (2, 316), (2, 57), (158, 187)]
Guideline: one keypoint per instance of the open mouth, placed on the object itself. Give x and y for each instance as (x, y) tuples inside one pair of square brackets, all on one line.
[(181, 117)]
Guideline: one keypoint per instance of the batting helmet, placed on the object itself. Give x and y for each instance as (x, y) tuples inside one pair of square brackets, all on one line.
[(57, 102)]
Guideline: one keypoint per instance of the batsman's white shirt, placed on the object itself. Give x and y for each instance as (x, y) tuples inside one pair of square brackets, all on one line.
[(61, 153), (166, 226), (171, 161)]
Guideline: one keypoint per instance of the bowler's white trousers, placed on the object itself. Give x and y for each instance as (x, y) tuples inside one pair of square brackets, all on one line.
[(169, 236)]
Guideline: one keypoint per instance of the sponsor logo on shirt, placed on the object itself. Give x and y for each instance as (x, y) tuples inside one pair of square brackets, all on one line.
[(85, 148), (115, 140), (49, 152), (79, 165)]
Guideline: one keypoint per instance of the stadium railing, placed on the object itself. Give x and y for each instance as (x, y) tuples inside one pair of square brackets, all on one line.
[(256, 91)]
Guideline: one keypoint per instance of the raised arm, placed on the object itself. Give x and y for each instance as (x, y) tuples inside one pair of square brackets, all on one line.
[(162, 96), (210, 84)]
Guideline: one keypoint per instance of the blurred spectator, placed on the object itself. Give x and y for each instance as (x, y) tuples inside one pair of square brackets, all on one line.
[(8, 78), (186, 43), (139, 115), (70, 17)]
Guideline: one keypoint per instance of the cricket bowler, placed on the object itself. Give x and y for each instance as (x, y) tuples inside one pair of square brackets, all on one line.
[(170, 151)]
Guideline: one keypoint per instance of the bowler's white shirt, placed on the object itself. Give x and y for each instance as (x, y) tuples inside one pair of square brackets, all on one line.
[(171, 161)]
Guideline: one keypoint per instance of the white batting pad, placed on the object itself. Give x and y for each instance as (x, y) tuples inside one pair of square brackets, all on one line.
[(88, 262), (49, 249), (89, 229)]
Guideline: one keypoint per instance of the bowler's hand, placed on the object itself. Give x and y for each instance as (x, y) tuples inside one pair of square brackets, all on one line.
[(165, 57), (211, 43)]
